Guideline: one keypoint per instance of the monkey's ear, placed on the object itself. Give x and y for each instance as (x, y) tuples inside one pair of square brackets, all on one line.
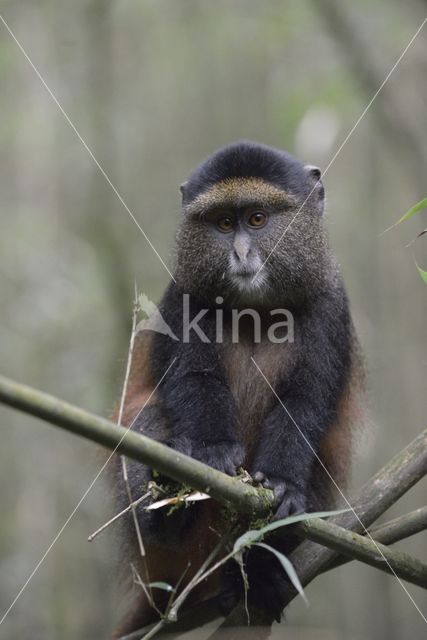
[(314, 174), (182, 188)]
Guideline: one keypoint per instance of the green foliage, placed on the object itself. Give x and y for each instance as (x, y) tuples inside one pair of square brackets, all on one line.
[(255, 536), (422, 204), (416, 208), (422, 273)]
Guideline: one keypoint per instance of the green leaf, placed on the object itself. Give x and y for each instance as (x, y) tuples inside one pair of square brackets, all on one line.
[(288, 567), (422, 273), (248, 538), (161, 585), (422, 204), (252, 536), (299, 518)]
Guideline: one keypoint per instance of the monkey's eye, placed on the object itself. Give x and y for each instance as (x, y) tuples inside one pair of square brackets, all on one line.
[(225, 224), (257, 219)]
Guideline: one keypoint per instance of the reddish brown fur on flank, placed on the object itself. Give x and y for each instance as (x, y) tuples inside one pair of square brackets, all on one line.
[(140, 385), (336, 448), (169, 566)]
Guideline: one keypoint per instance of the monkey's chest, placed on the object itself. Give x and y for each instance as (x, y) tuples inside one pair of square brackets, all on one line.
[(245, 366)]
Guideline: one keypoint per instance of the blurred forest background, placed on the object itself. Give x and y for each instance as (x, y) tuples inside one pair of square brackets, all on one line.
[(153, 87)]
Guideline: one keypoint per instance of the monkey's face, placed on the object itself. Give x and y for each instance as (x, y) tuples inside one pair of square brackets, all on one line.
[(256, 241), (250, 243)]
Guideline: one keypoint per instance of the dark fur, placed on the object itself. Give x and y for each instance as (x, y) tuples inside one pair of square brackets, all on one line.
[(214, 404), (248, 159)]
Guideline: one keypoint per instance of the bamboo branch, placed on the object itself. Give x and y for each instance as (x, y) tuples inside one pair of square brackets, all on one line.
[(401, 527), (393, 531), (359, 547), (230, 491)]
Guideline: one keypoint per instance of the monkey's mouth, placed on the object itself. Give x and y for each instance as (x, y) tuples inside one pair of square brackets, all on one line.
[(245, 274), (246, 270), (248, 282), (245, 278)]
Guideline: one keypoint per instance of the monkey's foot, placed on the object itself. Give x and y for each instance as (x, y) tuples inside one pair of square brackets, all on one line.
[(268, 585)]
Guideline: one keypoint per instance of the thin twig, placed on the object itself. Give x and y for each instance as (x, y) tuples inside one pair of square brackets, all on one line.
[(119, 422), (171, 614), (202, 573), (134, 504), (157, 627), (147, 591), (129, 359)]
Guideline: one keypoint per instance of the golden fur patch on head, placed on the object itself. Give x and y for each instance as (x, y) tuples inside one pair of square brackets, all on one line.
[(240, 192)]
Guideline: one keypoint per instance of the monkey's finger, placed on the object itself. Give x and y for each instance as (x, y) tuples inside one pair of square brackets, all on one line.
[(230, 468), (284, 509), (259, 477), (279, 492)]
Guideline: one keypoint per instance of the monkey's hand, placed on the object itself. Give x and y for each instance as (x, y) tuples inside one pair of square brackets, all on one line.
[(289, 499), (226, 456)]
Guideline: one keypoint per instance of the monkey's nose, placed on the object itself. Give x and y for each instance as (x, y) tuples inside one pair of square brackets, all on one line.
[(241, 256), (241, 250)]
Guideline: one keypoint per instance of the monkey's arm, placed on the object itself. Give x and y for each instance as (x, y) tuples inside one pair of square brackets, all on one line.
[(202, 415), (306, 406), (195, 397)]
